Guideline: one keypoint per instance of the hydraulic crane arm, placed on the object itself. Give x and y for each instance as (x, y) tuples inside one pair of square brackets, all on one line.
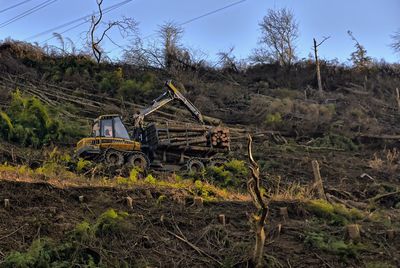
[(171, 94)]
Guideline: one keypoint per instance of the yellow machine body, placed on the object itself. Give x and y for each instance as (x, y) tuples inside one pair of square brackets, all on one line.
[(113, 136)]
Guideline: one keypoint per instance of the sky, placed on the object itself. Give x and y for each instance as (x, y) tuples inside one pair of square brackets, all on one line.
[(371, 21)]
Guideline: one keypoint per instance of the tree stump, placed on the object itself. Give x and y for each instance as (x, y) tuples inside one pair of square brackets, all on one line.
[(353, 232), (129, 202), (318, 180), (222, 219), (198, 201), (390, 234), (6, 203), (283, 212), (148, 194)]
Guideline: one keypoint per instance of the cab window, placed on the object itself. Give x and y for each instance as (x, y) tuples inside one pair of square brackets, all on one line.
[(106, 128), (96, 130), (120, 130)]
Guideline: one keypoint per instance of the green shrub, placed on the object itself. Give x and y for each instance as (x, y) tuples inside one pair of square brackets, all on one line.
[(110, 222), (82, 165), (273, 119), (335, 141), (332, 245), (31, 123), (133, 89), (150, 179), (231, 174)]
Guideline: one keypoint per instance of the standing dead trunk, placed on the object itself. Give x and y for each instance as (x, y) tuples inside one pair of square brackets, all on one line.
[(318, 184), (253, 185), (398, 98), (317, 62), (317, 65)]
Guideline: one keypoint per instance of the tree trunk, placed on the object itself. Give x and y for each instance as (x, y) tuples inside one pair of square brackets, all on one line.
[(318, 180), (317, 65)]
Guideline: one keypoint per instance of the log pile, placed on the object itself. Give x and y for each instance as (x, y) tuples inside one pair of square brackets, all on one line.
[(179, 135), (219, 137)]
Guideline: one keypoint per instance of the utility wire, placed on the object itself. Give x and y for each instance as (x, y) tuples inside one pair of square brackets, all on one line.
[(14, 6), (105, 11), (28, 12), (211, 12), (194, 19), (203, 15), (108, 9)]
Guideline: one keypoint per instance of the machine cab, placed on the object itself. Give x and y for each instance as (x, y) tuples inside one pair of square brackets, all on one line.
[(109, 126)]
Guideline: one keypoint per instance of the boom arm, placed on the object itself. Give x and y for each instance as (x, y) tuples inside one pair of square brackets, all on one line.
[(171, 94)]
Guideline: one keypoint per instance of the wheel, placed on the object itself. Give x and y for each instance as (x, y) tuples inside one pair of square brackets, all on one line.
[(194, 165), (218, 161), (114, 158), (138, 159)]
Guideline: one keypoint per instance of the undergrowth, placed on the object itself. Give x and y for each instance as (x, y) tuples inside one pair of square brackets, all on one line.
[(325, 242), (29, 122), (335, 214), (76, 249)]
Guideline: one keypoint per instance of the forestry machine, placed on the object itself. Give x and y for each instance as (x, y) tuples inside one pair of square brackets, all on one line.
[(110, 141)]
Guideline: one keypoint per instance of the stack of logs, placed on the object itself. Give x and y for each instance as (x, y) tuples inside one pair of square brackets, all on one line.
[(185, 134), (219, 137)]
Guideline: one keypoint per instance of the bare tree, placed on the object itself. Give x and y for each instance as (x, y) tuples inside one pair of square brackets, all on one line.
[(227, 60), (126, 27), (317, 61), (136, 54), (171, 35), (279, 34), (359, 56), (396, 42)]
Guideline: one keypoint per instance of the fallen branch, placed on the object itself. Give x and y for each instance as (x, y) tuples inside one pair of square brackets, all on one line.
[(13, 232), (377, 197), (201, 252)]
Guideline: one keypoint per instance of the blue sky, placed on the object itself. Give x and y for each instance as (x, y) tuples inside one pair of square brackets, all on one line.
[(371, 21)]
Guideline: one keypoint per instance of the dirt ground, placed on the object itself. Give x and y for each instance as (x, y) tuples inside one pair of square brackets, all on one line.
[(177, 233)]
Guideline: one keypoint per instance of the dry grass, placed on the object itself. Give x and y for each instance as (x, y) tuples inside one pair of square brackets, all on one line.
[(64, 179), (388, 162)]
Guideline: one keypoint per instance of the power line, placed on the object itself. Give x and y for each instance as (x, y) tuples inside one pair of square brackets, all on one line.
[(69, 29), (28, 12), (203, 15), (106, 10), (211, 12), (195, 18), (14, 6)]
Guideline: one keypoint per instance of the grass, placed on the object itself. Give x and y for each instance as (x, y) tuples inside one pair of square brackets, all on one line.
[(332, 245), (335, 214), (58, 175)]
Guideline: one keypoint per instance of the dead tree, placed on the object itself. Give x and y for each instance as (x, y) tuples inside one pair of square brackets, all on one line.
[(253, 186), (396, 42), (317, 61), (126, 27)]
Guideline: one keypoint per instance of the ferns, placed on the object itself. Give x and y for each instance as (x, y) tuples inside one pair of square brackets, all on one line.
[(30, 123)]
